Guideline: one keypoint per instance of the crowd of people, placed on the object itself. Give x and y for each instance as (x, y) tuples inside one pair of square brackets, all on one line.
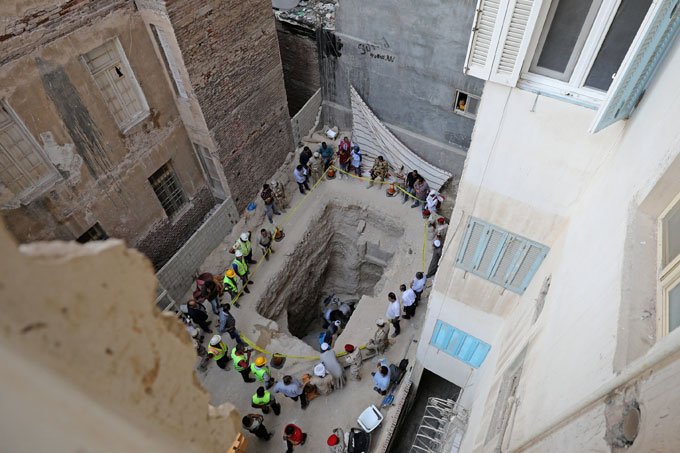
[(328, 374)]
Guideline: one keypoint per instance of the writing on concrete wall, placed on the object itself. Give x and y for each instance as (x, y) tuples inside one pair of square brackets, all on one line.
[(375, 51)]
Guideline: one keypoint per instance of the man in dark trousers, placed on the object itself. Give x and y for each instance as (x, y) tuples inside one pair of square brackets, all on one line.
[(263, 400), (255, 424), (198, 315), (293, 436), (436, 255), (410, 180)]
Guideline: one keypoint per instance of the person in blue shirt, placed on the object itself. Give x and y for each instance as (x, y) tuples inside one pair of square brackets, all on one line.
[(326, 152), (382, 377)]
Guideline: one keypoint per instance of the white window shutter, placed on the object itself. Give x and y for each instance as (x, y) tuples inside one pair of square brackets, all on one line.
[(656, 34), (486, 28), (500, 37)]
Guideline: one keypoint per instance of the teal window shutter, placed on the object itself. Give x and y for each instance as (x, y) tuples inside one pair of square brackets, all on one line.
[(656, 34), (459, 344), (499, 256)]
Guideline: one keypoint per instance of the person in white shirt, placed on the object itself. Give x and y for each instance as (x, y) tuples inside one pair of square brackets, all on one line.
[(408, 298), (393, 313), (300, 174), (418, 285)]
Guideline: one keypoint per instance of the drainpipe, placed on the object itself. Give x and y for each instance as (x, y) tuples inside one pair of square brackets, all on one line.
[(662, 352)]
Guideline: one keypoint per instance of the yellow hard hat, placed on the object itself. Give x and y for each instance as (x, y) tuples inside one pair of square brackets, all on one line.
[(230, 273), (260, 361)]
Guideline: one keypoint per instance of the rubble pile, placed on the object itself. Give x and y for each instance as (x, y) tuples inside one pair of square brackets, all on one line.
[(311, 13)]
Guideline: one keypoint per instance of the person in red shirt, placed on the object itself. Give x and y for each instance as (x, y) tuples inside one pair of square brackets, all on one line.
[(293, 436), (344, 155)]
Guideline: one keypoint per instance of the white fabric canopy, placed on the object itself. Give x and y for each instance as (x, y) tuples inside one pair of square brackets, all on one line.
[(375, 139)]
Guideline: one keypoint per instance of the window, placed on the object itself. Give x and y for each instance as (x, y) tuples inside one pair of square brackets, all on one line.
[(596, 53), (563, 37), (499, 256), (169, 60), (571, 47), (95, 233), (24, 169), (169, 192), (210, 170), (117, 84), (459, 344), (466, 104), (670, 267)]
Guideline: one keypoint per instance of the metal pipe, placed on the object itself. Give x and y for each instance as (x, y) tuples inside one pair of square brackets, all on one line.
[(662, 351)]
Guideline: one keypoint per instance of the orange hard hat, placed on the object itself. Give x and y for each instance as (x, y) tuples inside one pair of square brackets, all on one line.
[(230, 273)]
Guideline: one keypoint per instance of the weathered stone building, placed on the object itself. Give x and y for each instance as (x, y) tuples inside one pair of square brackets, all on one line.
[(134, 119)]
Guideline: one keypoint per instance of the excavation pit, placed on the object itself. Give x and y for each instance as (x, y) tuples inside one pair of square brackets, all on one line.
[(345, 252)]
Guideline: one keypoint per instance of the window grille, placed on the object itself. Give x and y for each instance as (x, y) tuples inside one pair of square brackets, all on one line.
[(168, 190)]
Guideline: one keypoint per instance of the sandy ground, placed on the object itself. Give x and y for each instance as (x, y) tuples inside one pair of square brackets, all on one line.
[(341, 408)]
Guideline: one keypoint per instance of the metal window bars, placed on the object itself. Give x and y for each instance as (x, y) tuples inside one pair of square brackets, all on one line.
[(441, 428)]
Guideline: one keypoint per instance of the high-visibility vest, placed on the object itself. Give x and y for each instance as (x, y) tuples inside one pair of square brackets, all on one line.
[(217, 351), (259, 372), (241, 266), (262, 401), (245, 247), (237, 359), (230, 284)]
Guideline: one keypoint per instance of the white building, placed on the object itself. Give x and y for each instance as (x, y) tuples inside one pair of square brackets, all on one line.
[(558, 292)]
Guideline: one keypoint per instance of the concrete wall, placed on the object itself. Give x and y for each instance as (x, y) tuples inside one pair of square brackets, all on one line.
[(534, 170), (176, 277), (305, 120), (93, 364), (103, 172), (405, 60), (232, 57), (300, 60)]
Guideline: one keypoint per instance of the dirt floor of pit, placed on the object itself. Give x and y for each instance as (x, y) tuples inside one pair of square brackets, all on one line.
[(341, 408)]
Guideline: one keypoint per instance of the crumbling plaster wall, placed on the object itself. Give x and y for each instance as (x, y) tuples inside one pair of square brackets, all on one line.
[(90, 360), (407, 67), (104, 172), (232, 56)]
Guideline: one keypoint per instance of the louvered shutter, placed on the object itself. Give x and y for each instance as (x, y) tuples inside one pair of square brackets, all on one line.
[(459, 344), (484, 38), (468, 253), (492, 248), (509, 256), (656, 34), (525, 268), (500, 36)]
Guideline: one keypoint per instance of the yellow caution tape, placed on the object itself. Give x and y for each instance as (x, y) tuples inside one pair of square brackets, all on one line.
[(285, 220), (252, 344)]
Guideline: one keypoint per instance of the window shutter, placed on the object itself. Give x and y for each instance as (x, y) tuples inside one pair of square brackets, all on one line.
[(467, 256), (492, 248), (656, 33), (500, 36), (527, 267), (509, 256), (441, 335), (484, 38), (479, 354)]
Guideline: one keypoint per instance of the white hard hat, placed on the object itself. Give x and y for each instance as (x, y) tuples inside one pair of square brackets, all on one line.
[(325, 346), (380, 322), (320, 370), (338, 323), (239, 254), (215, 340), (244, 236), (316, 154), (437, 242)]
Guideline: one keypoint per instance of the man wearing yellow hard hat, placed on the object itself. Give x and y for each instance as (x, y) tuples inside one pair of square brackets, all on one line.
[(260, 370)]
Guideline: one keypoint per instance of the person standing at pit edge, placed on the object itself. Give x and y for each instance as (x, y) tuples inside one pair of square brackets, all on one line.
[(241, 357), (418, 285), (240, 267), (292, 388), (393, 313), (244, 245), (263, 400), (255, 424), (300, 175), (408, 298), (293, 436), (269, 204), (218, 351)]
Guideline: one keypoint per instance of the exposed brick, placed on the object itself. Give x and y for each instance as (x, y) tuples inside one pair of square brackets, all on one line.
[(232, 56)]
